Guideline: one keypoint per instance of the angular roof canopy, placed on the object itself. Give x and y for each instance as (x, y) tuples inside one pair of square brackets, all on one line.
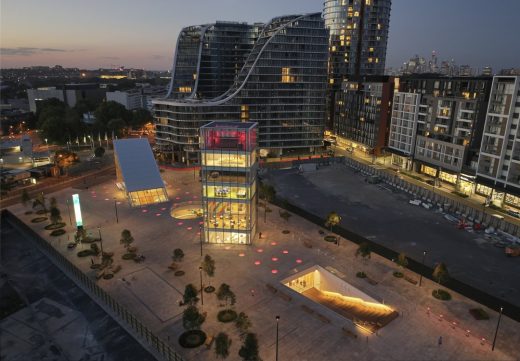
[(137, 164)]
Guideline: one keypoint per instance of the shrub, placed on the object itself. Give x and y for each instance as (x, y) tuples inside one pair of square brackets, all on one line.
[(226, 316), (361, 275), (192, 338), (398, 274), (58, 232), (50, 227), (479, 314), (441, 295)]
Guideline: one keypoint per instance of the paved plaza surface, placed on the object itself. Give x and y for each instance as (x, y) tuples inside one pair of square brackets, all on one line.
[(308, 331), (387, 218), (58, 321)]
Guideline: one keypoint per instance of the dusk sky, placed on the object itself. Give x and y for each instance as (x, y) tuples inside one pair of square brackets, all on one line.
[(142, 34)]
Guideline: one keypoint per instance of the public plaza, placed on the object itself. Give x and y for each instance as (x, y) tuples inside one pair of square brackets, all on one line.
[(257, 273)]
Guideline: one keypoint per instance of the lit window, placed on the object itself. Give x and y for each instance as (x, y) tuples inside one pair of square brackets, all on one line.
[(287, 77), (185, 89)]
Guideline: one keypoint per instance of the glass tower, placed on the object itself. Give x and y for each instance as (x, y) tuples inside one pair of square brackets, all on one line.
[(278, 80), (229, 168)]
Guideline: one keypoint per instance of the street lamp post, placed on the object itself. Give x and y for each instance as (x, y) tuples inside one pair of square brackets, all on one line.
[(115, 207), (277, 322), (423, 259), (100, 240), (68, 208), (201, 290), (200, 239), (496, 331)]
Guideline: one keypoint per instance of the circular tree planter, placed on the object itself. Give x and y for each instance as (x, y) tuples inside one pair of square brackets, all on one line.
[(332, 239), (128, 256), (95, 266), (209, 289), (40, 211), (179, 273), (226, 316), (192, 338), (86, 253), (361, 275), (286, 231), (108, 276), (38, 219), (398, 274), (58, 232), (28, 212), (441, 295), (59, 225)]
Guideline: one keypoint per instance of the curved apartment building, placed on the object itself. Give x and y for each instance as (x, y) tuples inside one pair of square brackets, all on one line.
[(273, 74)]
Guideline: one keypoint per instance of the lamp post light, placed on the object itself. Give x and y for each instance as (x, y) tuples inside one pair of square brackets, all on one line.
[(115, 207), (200, 239), (201, 290), (277, 323), (100, 240), (68, 208), (423, 259), (496, 331)]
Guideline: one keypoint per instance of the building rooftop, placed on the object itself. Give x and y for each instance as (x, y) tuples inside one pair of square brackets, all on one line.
[(137, 164), (230, 125)]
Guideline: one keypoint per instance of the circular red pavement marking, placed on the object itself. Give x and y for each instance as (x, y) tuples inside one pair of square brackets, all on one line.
[(241, 255), (259, 250), (299, 261), (274, 259), (273, 243), (274, 271), (257, 263), (285, 251)]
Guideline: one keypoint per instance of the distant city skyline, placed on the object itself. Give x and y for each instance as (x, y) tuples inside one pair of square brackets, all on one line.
[(143, 34)]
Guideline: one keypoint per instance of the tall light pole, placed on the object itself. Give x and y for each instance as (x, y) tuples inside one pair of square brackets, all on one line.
[(100, 240), (200, 239), (68, 208), (423, 259), (115, 207), (496, 331), (277, 322), (201, 290)]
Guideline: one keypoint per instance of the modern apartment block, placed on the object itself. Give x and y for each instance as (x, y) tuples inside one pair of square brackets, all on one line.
[(436, 126), (278, 79), (70, 94), (229, 169), (358, 35), (362, 114), (498, 172)]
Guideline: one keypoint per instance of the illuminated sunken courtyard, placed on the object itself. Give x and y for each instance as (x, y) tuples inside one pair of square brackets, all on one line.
[(325, 288)]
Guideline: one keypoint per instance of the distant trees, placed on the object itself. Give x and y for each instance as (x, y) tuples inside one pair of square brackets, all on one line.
[(111, 111), (99, 152), (140, 117)]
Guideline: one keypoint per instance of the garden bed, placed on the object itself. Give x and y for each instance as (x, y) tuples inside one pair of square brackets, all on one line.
[(398, 274), (209, 289), (332, 239), (53, 226), (128, 256), (38, 219), (479, 314), (226, 316), (58, 232), (192, 338), (441, 295), (361, 275), (179, 273)]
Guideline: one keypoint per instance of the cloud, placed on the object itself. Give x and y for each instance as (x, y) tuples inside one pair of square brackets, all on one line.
[(27, 51)]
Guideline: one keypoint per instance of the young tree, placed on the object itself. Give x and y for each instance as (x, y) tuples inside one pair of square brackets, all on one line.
[(224, 293), (285, 215), (364, 251), (242, 323), (126, 238), (178, 255), (25, 198), (53, 203), (440, 273), (106, 259), (268, 194), (249, 350), (190, 295), (55, 215), (332, 220), (192, 318), (222, 343), (208, 265), (80, 235), (402, 261), (40, 201)]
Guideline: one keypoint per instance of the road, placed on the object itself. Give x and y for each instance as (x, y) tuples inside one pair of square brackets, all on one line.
[(387, 218)]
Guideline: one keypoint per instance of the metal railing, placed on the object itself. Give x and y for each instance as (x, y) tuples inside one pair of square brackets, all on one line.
[(158, 347)]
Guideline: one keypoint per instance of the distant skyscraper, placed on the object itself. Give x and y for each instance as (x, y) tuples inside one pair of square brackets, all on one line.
[(358, 34)]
